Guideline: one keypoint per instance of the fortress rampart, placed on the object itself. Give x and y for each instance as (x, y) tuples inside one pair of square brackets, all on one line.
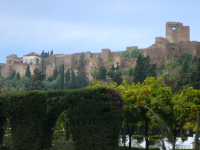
[(176, 41)]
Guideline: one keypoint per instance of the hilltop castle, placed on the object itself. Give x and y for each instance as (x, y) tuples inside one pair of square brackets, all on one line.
[(176, 41)]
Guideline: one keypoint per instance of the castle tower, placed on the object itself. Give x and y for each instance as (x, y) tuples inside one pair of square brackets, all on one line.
[(176, 32)]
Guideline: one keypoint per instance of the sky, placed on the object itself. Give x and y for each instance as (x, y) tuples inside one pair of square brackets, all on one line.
[(75, 26)]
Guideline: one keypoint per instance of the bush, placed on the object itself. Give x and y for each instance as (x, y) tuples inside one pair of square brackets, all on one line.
[(125, 53), (110, 59), (135, 52), (5, 147)]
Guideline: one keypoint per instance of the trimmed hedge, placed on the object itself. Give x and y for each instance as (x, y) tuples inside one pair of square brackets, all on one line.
[(5, 147), (135, 148), (95, 117)]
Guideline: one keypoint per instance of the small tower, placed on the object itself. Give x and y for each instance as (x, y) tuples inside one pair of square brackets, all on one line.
[(176, 32)]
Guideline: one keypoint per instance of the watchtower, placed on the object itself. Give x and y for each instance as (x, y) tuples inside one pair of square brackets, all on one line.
[(176, 32)]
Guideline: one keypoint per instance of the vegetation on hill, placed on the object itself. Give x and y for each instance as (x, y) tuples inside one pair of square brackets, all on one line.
[(134, 53)]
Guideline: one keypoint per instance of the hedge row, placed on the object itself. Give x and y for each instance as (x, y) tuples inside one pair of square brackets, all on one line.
[(135, 148), (95, 117)]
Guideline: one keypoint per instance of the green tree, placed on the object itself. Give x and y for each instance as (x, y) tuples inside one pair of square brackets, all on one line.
[(185, 55), (67, 79), (73, 82), (139, 70), (185, 66), (51, 53), (111, 72), (61, 84), (55, 73), (44, 55), (195, 78), (110, 59), (28, 72), (54, 84), (135, 53), (195, 59), (117, 78), (36, 81), (18, 76), (94, 72), (125, 53), (82, 80), (171, 72), (12, 75), (102, 73)]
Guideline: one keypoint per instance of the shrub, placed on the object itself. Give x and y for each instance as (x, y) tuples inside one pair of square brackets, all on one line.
[(110, 59), (135, 52), (5, 147), (125, 53)]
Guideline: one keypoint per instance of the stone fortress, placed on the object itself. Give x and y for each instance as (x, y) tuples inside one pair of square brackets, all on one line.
[(176, 41)]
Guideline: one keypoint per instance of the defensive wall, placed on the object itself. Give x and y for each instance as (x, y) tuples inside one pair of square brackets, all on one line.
[(176, 41)]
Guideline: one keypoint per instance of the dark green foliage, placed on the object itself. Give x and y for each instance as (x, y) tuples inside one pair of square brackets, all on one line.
[(125, 53), (12, 75), (139, 73), (195, 59), (117, 66), (5, 147), (185, 55), (44, 55), (50, 78), (185, 66), (82, 80), (60, 70), (73, 84), (18, 76), (195, 78), (144, 69), (33, 114), (110, 59), (28, 72), (61, 82), (111, 72), (67, 79), (130, 71), (135, 148), (51, 53), (102, 73), (117, 78), (36, 81), (55, 73)]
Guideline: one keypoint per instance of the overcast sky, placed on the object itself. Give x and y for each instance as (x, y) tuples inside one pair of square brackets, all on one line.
[(75, 26)]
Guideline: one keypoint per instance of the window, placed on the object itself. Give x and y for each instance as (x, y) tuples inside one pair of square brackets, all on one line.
[(37, 61), (9, 61), (76, 62), (173, 27), (26, 61), (31, 61)]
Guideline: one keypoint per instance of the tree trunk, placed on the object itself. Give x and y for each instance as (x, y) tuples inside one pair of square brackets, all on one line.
[(197, 133), (67, 134), (146, 133), (174, 144)]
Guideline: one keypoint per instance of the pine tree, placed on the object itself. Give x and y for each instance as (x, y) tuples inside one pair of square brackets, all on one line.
[(67, 79), (117, 78), (28, 73), (139, 71), (61, 82), (117, 66), (18, 76), (82, 80), (73, 84), (12, 75), (55, 73), (111, 72)]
